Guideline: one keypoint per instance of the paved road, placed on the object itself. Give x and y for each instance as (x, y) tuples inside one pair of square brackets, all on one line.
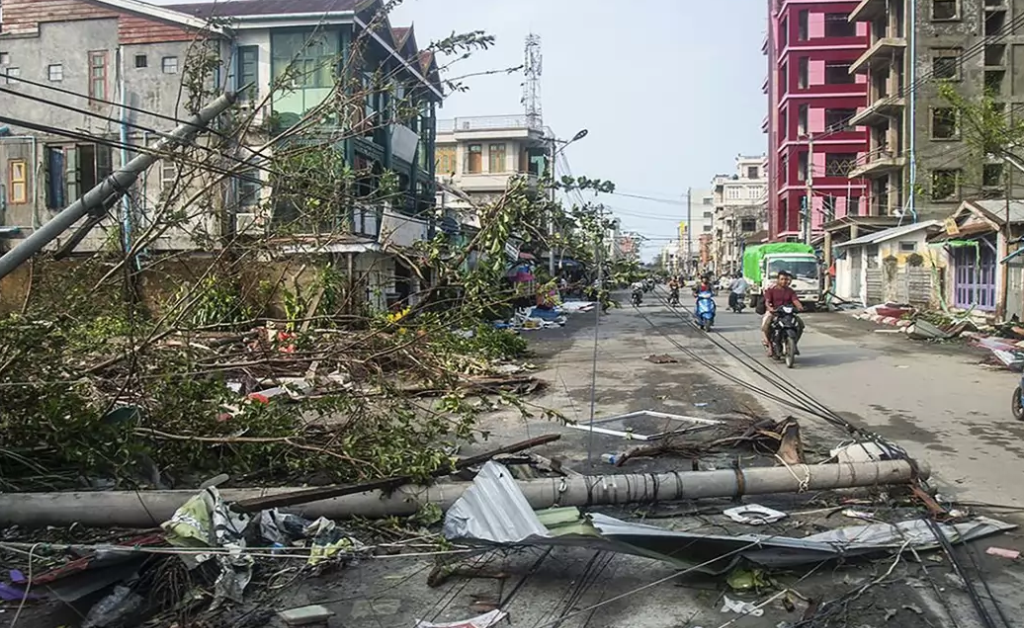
[(939, 402)]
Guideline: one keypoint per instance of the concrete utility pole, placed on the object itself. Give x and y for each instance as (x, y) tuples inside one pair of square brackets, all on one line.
[(689, 229), (104, 195), (582, 133)]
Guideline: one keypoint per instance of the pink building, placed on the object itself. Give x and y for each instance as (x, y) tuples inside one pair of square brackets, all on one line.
[(811, 95)]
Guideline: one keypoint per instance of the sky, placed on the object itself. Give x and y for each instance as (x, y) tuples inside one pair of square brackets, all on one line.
[(669, 90)]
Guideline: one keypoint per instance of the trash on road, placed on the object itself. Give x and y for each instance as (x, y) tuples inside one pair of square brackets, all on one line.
[(740, 607), (754, 514), (306, 615), (650, 425), (114, 609), (662, 359), (487, 620), (1003, 552), (748, 580)]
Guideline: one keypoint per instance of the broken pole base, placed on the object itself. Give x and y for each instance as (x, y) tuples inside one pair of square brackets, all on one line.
[(150, 508)]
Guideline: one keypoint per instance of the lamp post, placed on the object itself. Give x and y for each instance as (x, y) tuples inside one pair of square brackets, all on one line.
[(582, 133)]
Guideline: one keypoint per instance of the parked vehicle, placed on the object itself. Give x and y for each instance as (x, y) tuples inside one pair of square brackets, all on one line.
[(1018, 401), (705, 310), (638, 297), (762, 263), (784, 335)]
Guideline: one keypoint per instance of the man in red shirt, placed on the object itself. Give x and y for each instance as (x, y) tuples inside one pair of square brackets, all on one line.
[(775, 297)]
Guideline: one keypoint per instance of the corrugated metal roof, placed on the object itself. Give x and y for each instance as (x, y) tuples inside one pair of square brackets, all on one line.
[(889, 234), (493, 509), (998, 209), (240, 8)]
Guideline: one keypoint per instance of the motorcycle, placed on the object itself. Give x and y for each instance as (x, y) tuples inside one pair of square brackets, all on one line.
[(705, 310), (638, 297), (784, 335), (736, 302), (673, 298), (1017, 405)]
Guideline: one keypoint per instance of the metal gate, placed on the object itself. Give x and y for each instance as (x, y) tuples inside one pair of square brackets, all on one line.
[(974, 281)]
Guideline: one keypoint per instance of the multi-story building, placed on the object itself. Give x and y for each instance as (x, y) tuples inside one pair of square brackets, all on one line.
[(812, 96), (479, 156), (916, 161), (114, 70), (739, 211), (699, 222), (629, 245)]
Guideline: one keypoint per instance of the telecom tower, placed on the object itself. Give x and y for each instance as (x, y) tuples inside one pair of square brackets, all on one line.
[(532, 69)]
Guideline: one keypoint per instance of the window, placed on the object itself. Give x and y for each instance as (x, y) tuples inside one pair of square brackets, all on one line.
[(168, 175), (17, 181), (474, 159), (708, 200), (908, 247), (838, 118), (748, 225), (801, 167), (12, 75), (945, 185), (98, 75), (802, 70), (802, 19), (853, 206), (946, 64), (5, 58), (943, 10), (496, 161), (732, 193), (838, 74), (141, 61), (752, 172), (707, 228), (783, 34), (249, 185), (839, 164), (444, 157), (308, 57), (944, 124), (169, 65), (992, 175), (84, 166), (801, 120), (247, 73), (55, 72), (709, 215), (784, 79), (54, 177), (838, 25)]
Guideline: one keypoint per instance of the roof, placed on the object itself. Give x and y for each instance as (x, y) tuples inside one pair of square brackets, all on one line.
[(245, 8), (997, 209), (889, 234), (164, 13)]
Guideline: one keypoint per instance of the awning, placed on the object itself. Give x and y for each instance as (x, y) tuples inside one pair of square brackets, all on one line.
[(975, 230)]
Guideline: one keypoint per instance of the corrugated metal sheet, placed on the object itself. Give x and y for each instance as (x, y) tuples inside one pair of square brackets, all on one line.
[(493, 509)]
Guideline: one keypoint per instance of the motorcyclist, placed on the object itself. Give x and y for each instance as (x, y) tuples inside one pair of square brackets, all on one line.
[(775, 297), (737, 291), (637, 288), (703, 286), (673, 290)]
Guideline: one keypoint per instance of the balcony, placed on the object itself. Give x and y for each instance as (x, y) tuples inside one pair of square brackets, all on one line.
[(876, 164), (867, 10), (401, 230), (486, 127), (880, 112), (495, 182), (883, 51)]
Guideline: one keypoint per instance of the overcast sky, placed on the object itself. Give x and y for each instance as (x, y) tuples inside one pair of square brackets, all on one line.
[(670, 90)]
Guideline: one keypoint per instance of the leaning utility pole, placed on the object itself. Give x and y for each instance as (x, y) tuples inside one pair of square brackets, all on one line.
[(100, 198)]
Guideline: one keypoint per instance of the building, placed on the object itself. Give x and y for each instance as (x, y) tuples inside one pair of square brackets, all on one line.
[(629, 246), (479, 156), (894, 265), (916, 160), (739, 211), (84, 58), (812, 96), (699, 222)]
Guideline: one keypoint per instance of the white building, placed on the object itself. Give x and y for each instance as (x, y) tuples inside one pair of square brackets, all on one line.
[(698, 220), (477, 157), (740, 209)]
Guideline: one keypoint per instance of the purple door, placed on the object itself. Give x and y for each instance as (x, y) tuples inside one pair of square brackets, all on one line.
[(974, 279)]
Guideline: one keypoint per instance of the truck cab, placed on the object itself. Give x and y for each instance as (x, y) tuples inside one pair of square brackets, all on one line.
[(803, 268)]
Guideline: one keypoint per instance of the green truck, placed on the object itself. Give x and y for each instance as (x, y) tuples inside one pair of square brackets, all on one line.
[(762, 263)]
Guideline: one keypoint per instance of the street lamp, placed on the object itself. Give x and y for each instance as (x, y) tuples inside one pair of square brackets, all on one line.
[(582, 133)]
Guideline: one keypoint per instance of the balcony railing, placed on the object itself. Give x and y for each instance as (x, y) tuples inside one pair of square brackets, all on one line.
[(489, 123)]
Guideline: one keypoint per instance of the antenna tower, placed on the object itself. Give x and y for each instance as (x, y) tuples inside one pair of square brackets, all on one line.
[(533, 63)]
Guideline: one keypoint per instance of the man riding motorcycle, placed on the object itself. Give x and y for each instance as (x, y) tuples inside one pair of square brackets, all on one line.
[(738, 292), (703, 286), (775, 297), (637, 292), (673, 291)]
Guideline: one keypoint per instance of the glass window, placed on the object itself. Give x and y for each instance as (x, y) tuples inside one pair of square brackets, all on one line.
[(168, 175), (799, 268), (839, 25), (946, 64), (944, 124), (55, 72), (169, 65), (945, 9), (141, 61), (445, 158), (249, 185), (308, 57), (55, 177), (247, 73), (98, 75), (992, 175), (838, 74)]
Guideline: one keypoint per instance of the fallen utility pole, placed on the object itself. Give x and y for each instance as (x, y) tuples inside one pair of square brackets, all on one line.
[(97, 200), (150, 508)]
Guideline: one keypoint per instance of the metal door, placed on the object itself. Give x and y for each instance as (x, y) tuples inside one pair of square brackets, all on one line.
[(856, 270)]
